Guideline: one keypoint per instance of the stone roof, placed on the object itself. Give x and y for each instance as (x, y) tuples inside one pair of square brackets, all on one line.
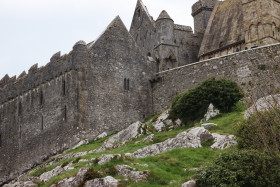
[(225, 27), (164, 15)]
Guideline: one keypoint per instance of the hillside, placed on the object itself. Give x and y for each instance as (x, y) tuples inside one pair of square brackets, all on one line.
[(174, 161)]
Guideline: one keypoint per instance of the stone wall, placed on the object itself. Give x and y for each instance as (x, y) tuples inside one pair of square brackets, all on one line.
[(255, 70)]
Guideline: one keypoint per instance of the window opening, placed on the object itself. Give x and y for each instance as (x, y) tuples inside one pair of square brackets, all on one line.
[(64, 87)]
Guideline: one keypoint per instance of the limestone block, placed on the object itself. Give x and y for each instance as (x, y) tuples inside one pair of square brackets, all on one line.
[(201, 133), (190, 183), (102, 182), (263, 104), (208, 125), (129, 172), (211, 112), (223, 141), (103, 159)]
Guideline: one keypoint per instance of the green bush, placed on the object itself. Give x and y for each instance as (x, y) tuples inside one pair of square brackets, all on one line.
[(244, 168), (192, 104), (261, 131)]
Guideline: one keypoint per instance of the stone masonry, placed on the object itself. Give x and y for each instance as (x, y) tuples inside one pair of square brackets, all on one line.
[(125, 76)]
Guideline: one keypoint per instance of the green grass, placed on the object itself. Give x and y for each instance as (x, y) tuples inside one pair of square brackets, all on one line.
[(227, 122), (166, 169)]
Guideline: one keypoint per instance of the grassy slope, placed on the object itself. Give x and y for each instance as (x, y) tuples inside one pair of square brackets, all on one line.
[(171, 168)]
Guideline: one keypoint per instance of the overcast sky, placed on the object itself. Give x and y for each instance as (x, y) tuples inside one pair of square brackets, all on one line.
[(31, 31)]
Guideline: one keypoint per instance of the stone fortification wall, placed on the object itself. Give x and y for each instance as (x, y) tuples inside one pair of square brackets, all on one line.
[(256, 71), (39, 112)]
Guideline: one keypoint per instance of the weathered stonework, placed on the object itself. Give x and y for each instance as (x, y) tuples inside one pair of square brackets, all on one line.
[(123, 77)]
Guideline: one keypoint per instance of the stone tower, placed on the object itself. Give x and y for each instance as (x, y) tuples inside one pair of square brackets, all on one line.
[(261, 22), (201, 12), (165, 51)]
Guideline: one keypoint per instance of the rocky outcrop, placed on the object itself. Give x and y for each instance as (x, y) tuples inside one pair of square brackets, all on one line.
[(102, 135), (45, 177), (163, 123), (103, 159), (188, 139), (223, 141), (148, 139), (131, 173), (201, 133), (133, 131), (21, 184), (263, 104), (83, 142), (102, 182), (190, 183), (72, 181), (208, 125), (211, 112)]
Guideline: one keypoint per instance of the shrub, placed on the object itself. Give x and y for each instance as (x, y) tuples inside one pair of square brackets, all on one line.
[(192, 104), (76, 160), (244, 168), (261, 131)]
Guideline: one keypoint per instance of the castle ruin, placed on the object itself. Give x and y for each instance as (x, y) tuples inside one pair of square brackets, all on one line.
[(124, 76)]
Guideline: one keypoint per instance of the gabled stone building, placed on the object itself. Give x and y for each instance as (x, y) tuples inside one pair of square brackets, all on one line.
[(124, 76)]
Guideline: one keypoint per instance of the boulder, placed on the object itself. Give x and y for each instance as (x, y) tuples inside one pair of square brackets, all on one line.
[(201, 133), (45, 177), (72, 181), (83, 142), (129, 172), (223, 141), (103, 159), (102, 182), (148, 139), (191, 139), (190, 183), (208, 125), (163, 123), (21, 184), (211, 112), (131, 132), (263, 104), (102, 135)]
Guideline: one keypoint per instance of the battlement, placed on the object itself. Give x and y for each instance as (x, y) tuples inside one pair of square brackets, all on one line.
[(203, 5), (183, 28), (58, 65)]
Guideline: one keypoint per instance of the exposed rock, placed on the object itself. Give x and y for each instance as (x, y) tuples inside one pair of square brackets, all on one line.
[(159, 126), (129, 172), (72, 181), (107, 158), (21, 184), (203, 134), (187, 139), (133, 131), (102, 135), (45, 177), (190, 183), (163, 123), (102, 182), (211, 112), (148, 139), (208, 125), (223, 141), (264, 104), (83, 160), (81, 143)]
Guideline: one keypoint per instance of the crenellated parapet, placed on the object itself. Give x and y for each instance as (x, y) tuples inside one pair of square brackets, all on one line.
[(203, 5), (36, 76)]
